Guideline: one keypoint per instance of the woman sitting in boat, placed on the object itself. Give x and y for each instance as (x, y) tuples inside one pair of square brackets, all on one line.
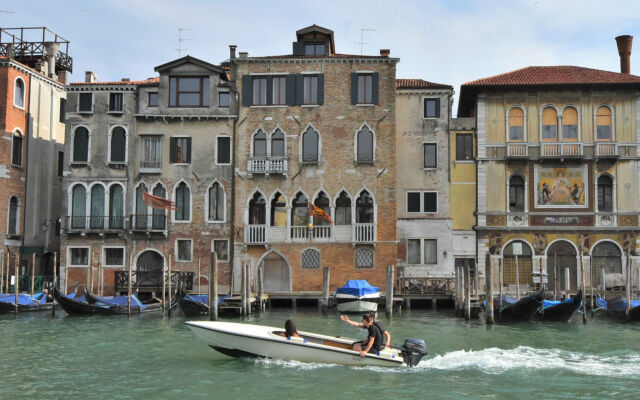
[(290, 329)]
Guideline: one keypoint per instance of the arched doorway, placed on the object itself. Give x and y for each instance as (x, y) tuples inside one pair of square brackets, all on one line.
[(525, 263), (561, 256), (149, 269), (606, 260), (276, 273)]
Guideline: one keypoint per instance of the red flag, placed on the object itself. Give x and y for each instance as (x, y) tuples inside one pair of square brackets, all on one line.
[(157, 202), (315, 211)]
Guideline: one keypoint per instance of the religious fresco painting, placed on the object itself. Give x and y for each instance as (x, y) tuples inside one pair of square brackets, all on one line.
[(561, 187)]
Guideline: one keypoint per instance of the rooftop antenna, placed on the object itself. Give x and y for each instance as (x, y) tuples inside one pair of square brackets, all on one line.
[(180, 40), (362, 42), (7, 12)]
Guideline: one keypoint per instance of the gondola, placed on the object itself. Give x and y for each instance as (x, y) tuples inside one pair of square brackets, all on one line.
[(617, 308), (72, 304), (26, 303), (559, 311), (514, 310), (114, 305), (193, 305)]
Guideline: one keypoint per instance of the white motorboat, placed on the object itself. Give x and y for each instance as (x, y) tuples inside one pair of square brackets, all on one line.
[(357, 296), (246, 340)]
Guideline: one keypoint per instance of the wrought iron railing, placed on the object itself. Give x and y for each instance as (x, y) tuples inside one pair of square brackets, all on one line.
[(94, 223), (152, 280), (148, 222)]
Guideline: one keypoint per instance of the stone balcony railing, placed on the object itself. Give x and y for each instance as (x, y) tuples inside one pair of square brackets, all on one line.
[(353, 233), (561, 150), (267, 166)]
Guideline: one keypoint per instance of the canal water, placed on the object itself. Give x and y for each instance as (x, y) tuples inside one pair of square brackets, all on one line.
[(150, 357)]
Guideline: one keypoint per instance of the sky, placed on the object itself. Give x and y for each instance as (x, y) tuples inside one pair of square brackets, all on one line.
[(450, 42)]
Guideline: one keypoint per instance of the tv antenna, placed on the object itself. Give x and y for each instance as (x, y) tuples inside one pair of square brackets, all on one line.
[(362, 42), (180, 40)]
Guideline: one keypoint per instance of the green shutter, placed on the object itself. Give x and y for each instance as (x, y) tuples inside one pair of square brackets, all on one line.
[(374, 88), (299, 89), (354, 88), (320, 89), (291, 90), (172, 150), (189, 150), (247, 90)]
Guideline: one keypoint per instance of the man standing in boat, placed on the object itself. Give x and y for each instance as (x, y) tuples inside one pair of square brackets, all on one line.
[(376, 332)]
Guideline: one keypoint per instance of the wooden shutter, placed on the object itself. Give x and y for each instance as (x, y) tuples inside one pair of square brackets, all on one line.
[(320, 89), (374, 88), (298, 48), (247, 90), (269, 90), (354, 88), (188, 150), (172, 150), (437, 107), (291, 90), (299, 90)]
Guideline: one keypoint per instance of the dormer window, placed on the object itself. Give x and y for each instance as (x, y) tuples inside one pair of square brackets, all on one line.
[(314, 49), (189, 91)]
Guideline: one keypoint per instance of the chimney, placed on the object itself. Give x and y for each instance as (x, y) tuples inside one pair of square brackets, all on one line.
[(90, 77), (11, 50), (52, 52), (244, 54), (385, 52), (232, 51), (624, 49), (125, 80)]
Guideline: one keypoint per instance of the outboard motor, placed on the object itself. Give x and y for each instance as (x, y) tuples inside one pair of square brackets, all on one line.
[(413, 350)]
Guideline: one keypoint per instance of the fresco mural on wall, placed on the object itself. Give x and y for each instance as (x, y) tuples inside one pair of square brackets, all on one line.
[(561, 187)]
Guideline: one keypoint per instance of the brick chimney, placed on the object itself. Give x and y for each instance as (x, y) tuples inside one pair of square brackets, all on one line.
[(385, 52), (90, 77), (624, 49), (232, 51)]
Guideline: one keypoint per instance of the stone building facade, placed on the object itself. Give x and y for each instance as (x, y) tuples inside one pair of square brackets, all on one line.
[(315, 126)]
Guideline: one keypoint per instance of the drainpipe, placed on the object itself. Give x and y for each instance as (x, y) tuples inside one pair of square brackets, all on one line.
[(234, 90)]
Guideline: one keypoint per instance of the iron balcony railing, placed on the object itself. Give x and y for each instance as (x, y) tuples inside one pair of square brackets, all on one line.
[(152, 280), (150, 166), (148, 222), (95, 223)]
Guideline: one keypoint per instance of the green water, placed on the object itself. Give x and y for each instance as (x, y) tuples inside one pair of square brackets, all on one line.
[(148, 357)]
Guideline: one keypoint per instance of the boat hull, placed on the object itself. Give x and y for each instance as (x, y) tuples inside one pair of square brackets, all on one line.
[(560, 312), (71, 306), (243, 340), (523, 310), (347, 303)]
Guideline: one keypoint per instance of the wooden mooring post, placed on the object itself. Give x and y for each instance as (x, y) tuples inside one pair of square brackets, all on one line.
[(100, 278), (628, 283), (584, 288), (389, 296), (170, 281), (129, 289), (164, 289), (33, 273), (326, 276), (213, 286), (6, 286), (55, 280), (260, 288), (198, 277), (248, 286), (467, 294), (243, 289), (2, 273), (16, 286), (489, 288)]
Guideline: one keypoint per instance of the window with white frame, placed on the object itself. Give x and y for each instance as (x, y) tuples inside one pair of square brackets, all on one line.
[(80, 145), (549, 124), (516, 124), (413, 251), (432, 108), (430, 251), (279, 95), (260, 144), (113, 256), (118, 145), (364, 257), (221, 247), (115, 102), (603, 123), (277, 144), (151, 152), (365, 145), (216, 202), (189, 91), (310, 259), (184, 249), (422, 251), (14, 211), (19, 93), (223, 150), (259, 91), (310, 91), (365, 88), (310, 145), (16, 149), (430, 155), (79, 256), (183, 202), (422, 201)]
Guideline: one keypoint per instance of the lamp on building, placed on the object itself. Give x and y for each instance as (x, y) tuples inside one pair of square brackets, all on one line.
[(444, 254)]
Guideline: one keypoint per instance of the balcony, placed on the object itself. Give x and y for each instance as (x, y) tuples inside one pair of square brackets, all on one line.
[(606, 150), (267, 165), (561, 150), (256, 234), (364, 233), (352, 233), (95, 224), (517, 150), (150, 167), (148, 223)]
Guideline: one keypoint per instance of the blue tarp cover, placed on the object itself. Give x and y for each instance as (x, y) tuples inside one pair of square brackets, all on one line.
[(357, 288), (203, 298), (117, 301), (617, 303), (549, 303), (23, 300)]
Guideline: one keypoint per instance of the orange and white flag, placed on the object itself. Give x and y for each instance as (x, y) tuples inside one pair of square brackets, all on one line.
[(157, 202)]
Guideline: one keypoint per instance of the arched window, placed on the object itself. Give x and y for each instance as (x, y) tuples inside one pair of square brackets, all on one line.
[(118, 144), (216, 202), (257, 209), (310, 142), (183, 202), (570, 124), (605, 193), (81, 144), (525, 263), (116, 207), (16, 149), (159, 215), (310, 258), (607, 256), (278, 210), (277, 144), (12, 228), (18, 93), (364, 208), (516, 194), (343, 209), (364, 145), (364, 258), (549, 124), (97, 207), (78, 207), (516, 124), (300, 212), (603, 123), (140, 217), (260, 144), (322, 201)]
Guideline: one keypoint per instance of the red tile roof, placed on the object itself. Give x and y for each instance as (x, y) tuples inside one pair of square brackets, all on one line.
[(146, 82), (420, 84), (284, 56), (555, 75)]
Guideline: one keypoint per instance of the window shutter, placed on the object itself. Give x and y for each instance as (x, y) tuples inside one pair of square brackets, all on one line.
[(63, 109), (437, 108), (172, 150), (298, 49), (320, 89), (247, 90), (291, 90), (299, 90), (269, 90), (189, 150), (374, 88), (354, 88)]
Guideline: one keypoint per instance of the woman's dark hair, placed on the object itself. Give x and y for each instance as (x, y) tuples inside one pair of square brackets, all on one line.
[(290, 328)]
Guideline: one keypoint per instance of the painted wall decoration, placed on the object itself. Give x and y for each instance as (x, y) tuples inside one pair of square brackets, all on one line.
[(563, 187)]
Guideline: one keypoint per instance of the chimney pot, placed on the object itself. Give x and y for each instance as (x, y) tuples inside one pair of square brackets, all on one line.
[(232, 51), (244, 54), (624, 50), (385, 52), (90, 77), (11, 50), (126, 79)]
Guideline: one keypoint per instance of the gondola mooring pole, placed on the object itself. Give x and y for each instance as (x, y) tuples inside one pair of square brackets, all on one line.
[(129, 289), (555, 275), (500, 267), (489, 290), (243, 290), (198, 278), (1, 272), (33, 273), (628, 283), (584, 288), (467, 294), (213, 286), (6, 287), (55, 280), (17, 284), (164, 288), (170, 282)]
